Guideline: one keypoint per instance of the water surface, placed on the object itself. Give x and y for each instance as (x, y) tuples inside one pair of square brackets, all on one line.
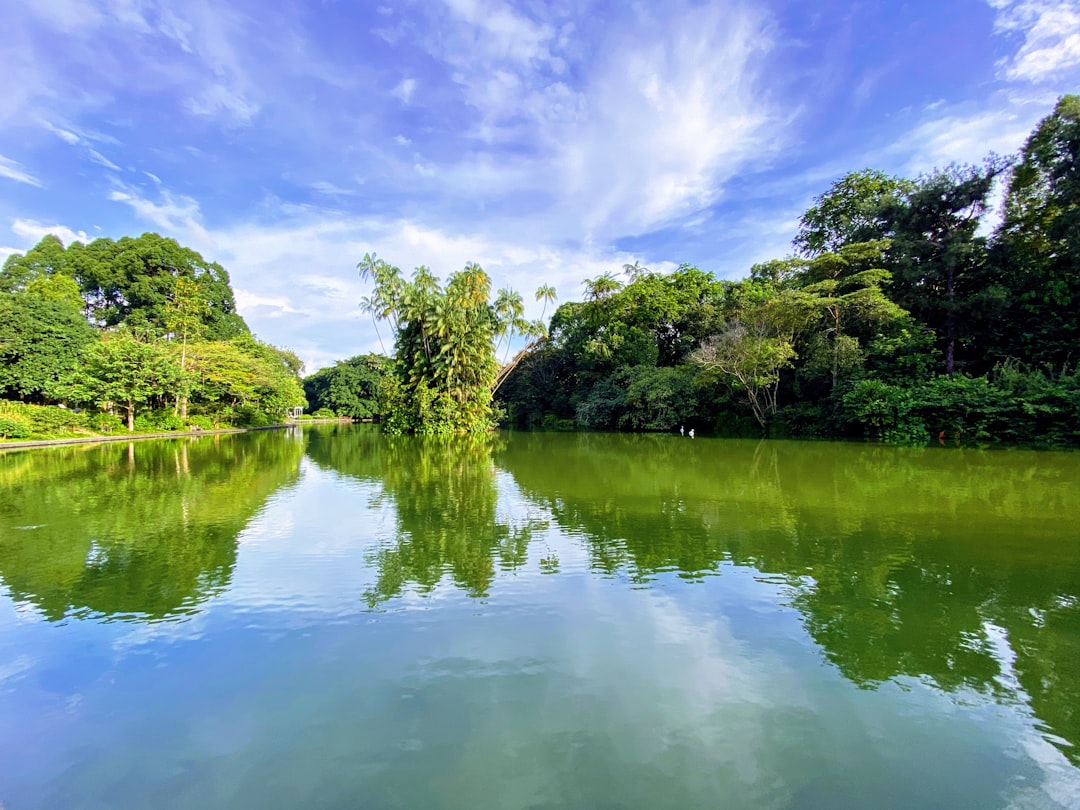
[(334, 619)]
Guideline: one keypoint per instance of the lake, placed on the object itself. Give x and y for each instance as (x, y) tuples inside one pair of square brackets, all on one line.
[(330, 618)]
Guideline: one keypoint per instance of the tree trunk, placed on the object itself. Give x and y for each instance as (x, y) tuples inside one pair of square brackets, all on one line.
[(950, 327), (131, 417)]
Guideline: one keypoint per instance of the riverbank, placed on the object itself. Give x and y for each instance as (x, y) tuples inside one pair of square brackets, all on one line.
[(131, 437), (175, 434)]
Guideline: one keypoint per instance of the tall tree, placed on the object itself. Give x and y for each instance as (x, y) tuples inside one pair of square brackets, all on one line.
[(854, 209), (40, 342), (938, 258), (1038, 243)]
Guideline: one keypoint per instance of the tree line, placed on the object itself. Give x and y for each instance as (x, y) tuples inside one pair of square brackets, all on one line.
[(903, 314), (139, 333)]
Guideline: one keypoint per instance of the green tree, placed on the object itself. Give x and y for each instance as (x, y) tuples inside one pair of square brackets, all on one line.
[(849, 285), (124, 371), (937, 257), (41, 339), (444, 369), (1038, 243), (754, 346), (854, 209), (349, 387)]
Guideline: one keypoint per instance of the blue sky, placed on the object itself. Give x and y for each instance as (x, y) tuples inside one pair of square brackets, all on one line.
[(547, 141)]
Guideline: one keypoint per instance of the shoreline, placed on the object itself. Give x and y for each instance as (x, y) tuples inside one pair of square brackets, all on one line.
[(174, 434)]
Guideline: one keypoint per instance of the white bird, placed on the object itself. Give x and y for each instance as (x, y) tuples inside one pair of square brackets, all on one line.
[(691, 433)]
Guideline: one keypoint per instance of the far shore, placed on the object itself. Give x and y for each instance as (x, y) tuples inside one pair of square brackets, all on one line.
[(175, 434)]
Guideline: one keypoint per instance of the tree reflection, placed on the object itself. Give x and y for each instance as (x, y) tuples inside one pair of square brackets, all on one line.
[(142, 531), (958, 568), (444, 498)]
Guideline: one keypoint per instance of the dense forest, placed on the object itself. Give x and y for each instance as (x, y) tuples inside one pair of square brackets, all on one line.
[(138, 333), (907, 312)]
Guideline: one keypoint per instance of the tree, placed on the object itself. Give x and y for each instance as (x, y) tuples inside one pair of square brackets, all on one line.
[(545, 293), (601, 287), (40, 343), (445, 368), (243, 380), (124, 371), (1038, 243), (938, 259), (852, 210), (130, 282), (849, 289), (184, 314), (349, 387), (753, 347)]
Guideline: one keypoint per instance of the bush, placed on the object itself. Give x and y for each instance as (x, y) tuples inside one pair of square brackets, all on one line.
[(884, 411), (105, 423), (323, 413), (13, 429), (49, 419), (250, 417), (201, 422)]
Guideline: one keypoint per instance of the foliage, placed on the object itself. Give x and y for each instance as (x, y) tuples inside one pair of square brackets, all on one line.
[(133, 282), (40, 343), (123, 370), (348, 388), (13, 428), (1037, 253), (444, 368)]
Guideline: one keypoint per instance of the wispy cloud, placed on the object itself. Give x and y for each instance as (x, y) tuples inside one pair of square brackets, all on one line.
[(175, 214), (12, 170), (332, 190)]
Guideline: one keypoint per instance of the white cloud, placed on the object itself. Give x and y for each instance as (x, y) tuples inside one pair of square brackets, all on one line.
[(965, 135), (177, 215), (647, 131), (1051, 37), (32, 231), (222, 101), (12, 170), (404, 90), (66, 135), (331, 190), (101, 160), (276, 306)]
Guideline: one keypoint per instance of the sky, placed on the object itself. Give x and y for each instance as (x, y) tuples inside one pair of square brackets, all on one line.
[(547, 140)]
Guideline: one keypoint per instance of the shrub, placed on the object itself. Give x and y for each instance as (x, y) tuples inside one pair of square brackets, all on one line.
[(105, 423), (13, 429), (884, 411), (323, 413), (50, 419)]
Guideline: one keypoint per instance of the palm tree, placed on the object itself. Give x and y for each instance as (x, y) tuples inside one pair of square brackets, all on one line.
[(601, 286), (369, 304), (509, 309), (545, 293)]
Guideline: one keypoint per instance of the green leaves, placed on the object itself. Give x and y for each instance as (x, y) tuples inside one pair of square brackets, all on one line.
[(444, 365)]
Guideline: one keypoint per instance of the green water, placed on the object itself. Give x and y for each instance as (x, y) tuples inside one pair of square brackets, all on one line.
[(332, 619)]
